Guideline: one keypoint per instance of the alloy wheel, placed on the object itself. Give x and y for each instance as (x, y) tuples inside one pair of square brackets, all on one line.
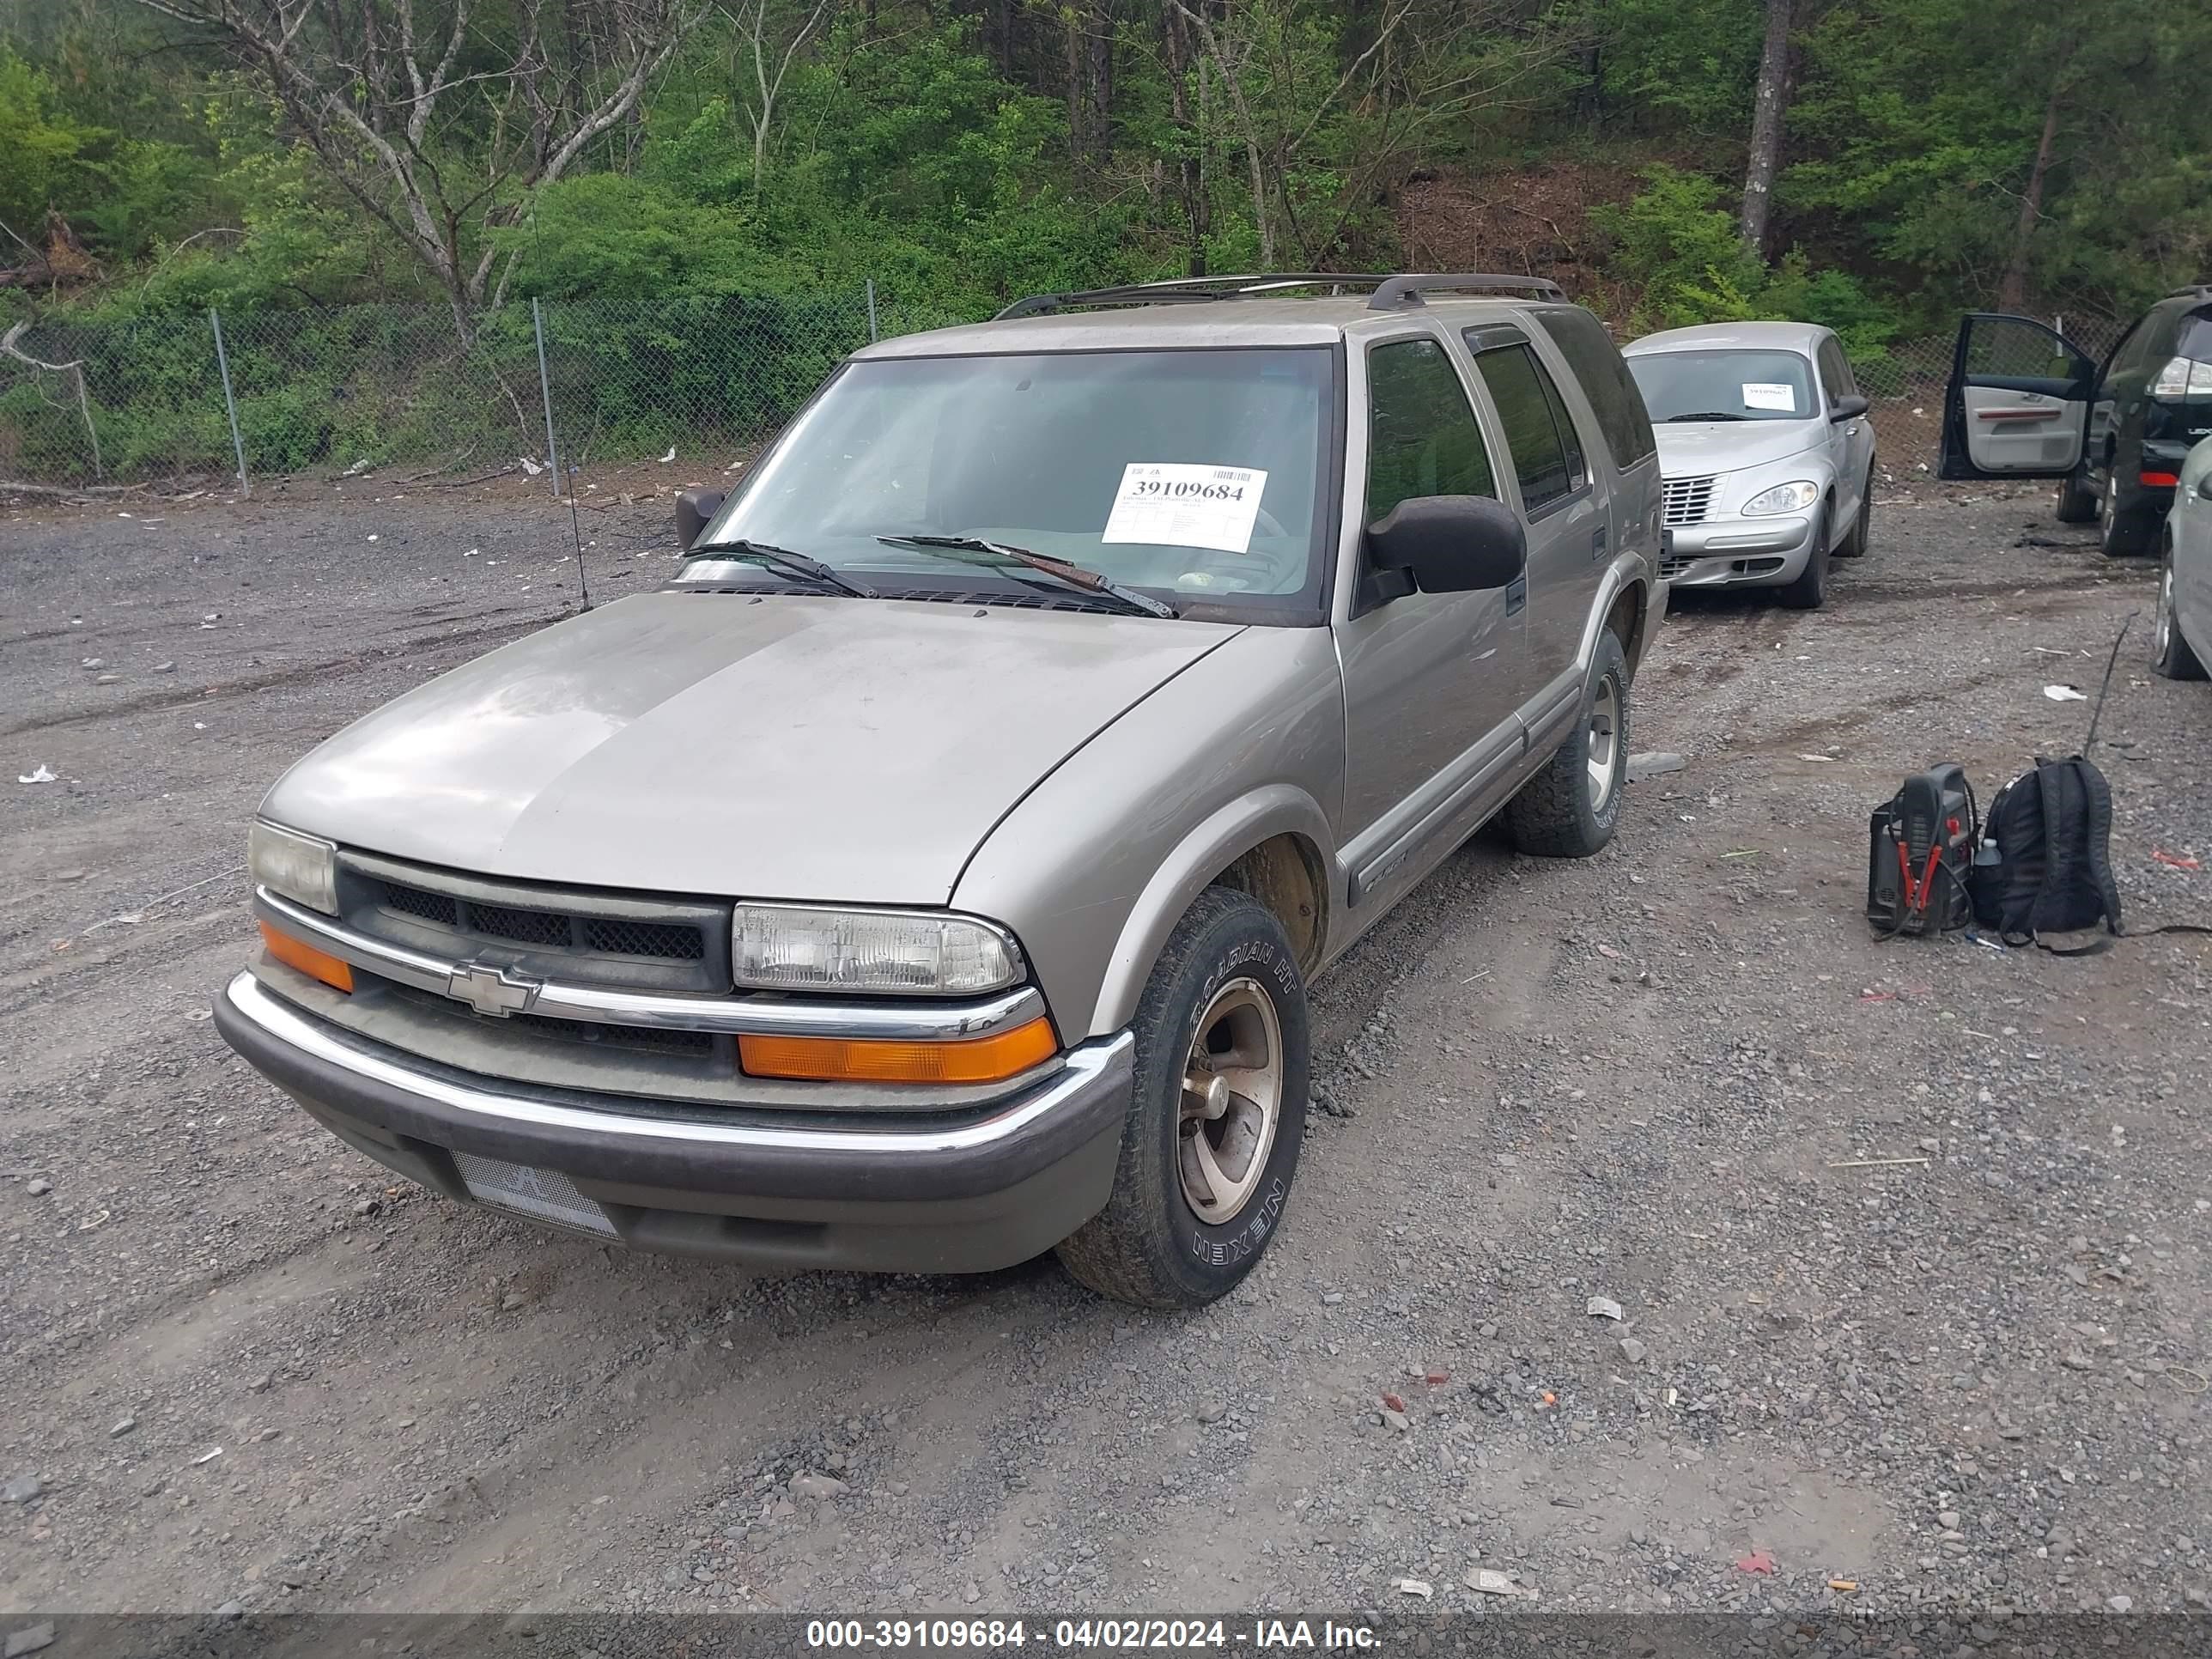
[(1604, 741), (1232, 1099)]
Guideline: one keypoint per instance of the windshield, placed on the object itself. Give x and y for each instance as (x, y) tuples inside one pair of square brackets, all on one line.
[(1191, 474), (1726, 386)]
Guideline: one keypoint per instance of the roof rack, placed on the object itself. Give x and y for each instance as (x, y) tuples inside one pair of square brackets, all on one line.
[(1388, 291), (1408, 290), (2192, 291)]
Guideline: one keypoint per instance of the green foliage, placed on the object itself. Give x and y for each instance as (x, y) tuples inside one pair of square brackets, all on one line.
[(1690, 61), (1680, 246), (959, 157), (46, 152)]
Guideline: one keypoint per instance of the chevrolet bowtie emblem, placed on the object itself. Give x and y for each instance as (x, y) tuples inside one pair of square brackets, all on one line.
[(491, 989)]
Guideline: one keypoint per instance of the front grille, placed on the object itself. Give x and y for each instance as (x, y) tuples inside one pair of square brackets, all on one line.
[(666, 940), (662, 941), (642, 1039), (1672, 567), (523, 927), (431, 907), (1685, 500), (629, 941)]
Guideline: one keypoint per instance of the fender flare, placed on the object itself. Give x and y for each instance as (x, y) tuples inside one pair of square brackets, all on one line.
[(1216, 842), (1626, 572)]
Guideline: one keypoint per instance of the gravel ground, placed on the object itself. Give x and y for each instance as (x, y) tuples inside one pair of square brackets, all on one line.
[(243, 1365)]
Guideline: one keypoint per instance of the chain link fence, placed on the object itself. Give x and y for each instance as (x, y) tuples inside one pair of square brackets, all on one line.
[(211, 401)]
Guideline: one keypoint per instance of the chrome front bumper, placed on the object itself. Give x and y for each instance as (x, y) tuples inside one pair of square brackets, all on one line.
[(947, 1192), (1739, 552)]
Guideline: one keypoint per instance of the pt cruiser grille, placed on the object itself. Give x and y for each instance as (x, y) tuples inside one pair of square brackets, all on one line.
[(1685, 500)]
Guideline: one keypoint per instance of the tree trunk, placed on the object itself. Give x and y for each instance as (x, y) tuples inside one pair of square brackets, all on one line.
[(2012, 288), (1190, 168), (1099, 81), (1070, 22), (1770, 110)]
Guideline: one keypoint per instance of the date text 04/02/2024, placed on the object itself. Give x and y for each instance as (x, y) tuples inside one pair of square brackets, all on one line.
[(1016, 1635)]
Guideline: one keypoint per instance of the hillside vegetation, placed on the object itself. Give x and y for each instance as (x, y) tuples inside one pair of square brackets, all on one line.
[(1869, 163)]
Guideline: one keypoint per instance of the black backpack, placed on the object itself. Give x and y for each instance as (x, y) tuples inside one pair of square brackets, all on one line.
[(2043, 865)]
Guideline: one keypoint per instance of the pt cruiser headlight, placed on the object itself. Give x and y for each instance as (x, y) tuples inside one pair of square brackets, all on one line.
[(301, 867), (781, 947), (1783, 498)]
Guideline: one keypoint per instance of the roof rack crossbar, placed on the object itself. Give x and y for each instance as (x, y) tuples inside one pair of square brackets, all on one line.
[(1188, 289), (1389, 290), (1407, 291)]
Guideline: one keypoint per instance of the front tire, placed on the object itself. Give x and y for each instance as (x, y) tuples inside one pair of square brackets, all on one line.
[(2174, 657), (1570, 808), (2120, 534), (1216, 1118), (2076, 502), (1810, 591), (1854, 545)]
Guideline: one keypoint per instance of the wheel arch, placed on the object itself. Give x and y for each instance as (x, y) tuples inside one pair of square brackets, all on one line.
[(1271, 844), (1627, 616)]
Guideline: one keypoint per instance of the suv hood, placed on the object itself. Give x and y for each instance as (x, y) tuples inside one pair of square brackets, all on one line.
[(1697, 451), (790, 747)]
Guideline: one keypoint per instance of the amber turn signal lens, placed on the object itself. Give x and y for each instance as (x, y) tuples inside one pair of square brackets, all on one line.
[(839, 1060), (316, 965)]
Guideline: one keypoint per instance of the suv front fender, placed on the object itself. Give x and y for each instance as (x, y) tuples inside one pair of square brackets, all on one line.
[(1093, 868)]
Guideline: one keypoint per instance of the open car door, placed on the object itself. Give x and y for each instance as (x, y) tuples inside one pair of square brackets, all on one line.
[(2018, 403)]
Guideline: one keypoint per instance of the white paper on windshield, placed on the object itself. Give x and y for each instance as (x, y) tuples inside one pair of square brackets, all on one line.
[(1174, 504), (1769, 394)]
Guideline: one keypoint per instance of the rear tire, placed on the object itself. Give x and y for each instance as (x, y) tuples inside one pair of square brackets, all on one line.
[(2120, 534), (2076, 502), (1809, 591), (1228, 965), (2174, 657), (1854, 545), (1570, 809)]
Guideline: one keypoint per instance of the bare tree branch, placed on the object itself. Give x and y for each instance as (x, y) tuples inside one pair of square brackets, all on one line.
[(351, 74)]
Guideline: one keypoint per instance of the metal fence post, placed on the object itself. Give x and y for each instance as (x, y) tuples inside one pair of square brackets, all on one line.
[(230, 402), (871, 311), (545, 388)]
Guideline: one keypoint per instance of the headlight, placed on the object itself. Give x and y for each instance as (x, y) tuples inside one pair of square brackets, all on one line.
[(1783, 498), (299, 867), (779, 947)]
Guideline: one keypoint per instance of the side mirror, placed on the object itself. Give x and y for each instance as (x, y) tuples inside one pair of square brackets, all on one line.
[(1447, 544), (1847, 408), (695, 511)]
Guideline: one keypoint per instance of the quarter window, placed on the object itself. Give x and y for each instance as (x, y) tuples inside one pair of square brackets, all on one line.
[(1835, 371), (1613, 392), (1547, 459), (1421, 436)]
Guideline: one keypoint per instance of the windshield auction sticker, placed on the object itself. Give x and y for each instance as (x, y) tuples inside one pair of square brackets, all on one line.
[(1769, 394), (1173, 504)]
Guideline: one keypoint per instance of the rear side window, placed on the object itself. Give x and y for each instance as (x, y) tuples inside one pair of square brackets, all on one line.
[(1421, 436), (1546, 459), (1607, 383)]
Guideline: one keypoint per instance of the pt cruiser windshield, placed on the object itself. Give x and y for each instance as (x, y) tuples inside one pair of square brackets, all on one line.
[(1187, 474)]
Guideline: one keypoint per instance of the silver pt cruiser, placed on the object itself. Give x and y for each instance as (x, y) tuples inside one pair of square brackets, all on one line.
[(931, 873), (1768, 455)]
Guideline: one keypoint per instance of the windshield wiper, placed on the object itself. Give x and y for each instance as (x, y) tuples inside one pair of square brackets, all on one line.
[(783, 562), (1705, 415), (1075, 575)]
